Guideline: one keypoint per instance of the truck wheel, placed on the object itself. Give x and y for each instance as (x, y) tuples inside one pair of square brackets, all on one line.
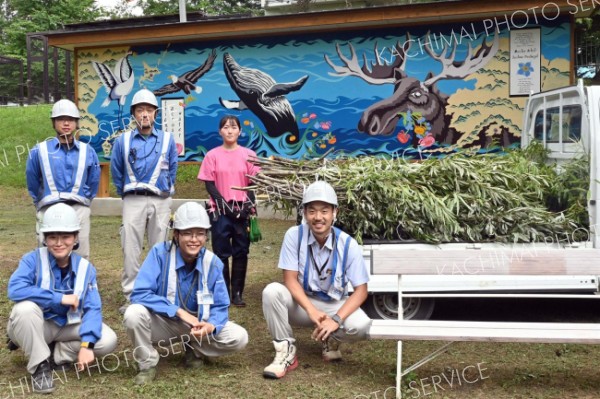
[(384, 305)]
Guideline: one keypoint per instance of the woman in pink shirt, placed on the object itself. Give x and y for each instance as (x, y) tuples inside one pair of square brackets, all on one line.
[(222, 168)]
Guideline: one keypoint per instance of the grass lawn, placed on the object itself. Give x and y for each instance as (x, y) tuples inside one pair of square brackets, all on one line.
[(468, 370)]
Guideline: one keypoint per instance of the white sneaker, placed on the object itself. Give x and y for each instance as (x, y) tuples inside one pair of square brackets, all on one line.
[(331, 350), (285, 359)]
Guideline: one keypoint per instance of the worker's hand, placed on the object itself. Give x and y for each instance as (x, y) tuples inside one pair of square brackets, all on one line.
[(317, 316), (203, 329), (85, 357), (324, 329), (189, 319), (70, 300), (247, 210)]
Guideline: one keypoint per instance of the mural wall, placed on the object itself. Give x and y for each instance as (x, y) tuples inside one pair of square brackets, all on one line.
[(409, 92)]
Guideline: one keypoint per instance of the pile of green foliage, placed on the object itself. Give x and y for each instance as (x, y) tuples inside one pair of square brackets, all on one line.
[(514, 197)]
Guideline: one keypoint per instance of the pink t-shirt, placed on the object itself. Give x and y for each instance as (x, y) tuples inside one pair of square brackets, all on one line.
[(228, 168)]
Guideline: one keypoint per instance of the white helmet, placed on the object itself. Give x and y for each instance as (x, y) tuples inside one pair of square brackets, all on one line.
[(191, 215), (320, 191), (64, 108), (143, 96), (60, 218)]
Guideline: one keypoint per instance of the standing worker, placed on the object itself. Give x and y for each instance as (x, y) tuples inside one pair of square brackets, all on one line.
[(180, 296), (225, 167), (57, 318), (143, 167), (64, 170), (318, 261)]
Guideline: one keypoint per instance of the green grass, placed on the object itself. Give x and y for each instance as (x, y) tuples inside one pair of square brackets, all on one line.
[(21, 128)]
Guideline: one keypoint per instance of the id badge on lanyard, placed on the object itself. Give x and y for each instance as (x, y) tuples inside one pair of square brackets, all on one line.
[(74, 317), (205, 297)]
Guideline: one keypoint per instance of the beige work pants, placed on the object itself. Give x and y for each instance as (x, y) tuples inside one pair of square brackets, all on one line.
[(145, 328), (281, 313), (28, 329), (141, 213)]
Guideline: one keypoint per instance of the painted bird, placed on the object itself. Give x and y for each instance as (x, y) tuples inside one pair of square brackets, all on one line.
[(187, 81)]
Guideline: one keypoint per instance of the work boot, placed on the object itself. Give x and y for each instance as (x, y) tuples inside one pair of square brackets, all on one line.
[(226, 275), (237, 300), (192, 361), (145, 376), (11, 345), (331, 350), (41, 380), (285, 359), (239, 266)]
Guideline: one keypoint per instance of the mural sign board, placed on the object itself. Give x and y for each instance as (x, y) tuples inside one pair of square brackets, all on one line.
[(173, 121), (525, 62), (410, 92)]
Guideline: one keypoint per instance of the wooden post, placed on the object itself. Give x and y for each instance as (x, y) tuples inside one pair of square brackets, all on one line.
[(103, 188)]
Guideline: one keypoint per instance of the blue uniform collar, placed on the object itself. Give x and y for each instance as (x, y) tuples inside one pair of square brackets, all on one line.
[(136, 132), (179, 262), (54, 144)]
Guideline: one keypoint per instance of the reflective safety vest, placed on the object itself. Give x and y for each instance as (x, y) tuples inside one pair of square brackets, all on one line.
[(51, 193), (133, 183), (338, 269), (171, 280), (47, 276)]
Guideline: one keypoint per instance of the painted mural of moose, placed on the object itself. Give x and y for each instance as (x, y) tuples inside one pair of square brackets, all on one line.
[(412, 97)]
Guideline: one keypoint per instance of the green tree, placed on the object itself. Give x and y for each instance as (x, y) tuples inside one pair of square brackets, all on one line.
[(20, 17), (210, 7)]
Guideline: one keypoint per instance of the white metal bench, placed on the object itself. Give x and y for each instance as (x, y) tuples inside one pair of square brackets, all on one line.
[(515, 261)]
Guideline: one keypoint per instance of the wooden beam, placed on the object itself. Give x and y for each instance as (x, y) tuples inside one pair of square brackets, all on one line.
[(103, 188), (212, 29)]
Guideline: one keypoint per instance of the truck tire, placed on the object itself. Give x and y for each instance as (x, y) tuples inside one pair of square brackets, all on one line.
[(384, 305)]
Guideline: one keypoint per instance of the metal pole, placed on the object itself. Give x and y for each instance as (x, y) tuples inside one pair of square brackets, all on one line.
[(182, 11)]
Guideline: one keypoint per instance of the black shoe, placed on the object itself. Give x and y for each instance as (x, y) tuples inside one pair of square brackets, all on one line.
[(11, 345), (237, 300), (41, 380)]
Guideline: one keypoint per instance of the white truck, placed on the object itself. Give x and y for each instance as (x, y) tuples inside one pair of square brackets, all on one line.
[(567, 122)]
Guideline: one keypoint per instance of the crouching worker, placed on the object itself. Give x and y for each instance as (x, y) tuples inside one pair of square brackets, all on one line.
[(179, 296), (318, 261), (57, 318)]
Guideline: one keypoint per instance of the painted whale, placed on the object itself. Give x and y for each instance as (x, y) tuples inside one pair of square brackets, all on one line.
[(259, 93)]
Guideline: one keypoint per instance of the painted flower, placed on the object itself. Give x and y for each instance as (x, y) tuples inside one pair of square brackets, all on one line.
[(246, 122), (305, 120), (323, 145), (179, 148), (525, 68), (332, 140), (403, 137), (315, 134), (427, 141), (325, 125), (292, 138), (420, 130), (312, 116)]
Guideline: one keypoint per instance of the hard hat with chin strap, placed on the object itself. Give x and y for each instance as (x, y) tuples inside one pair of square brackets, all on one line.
[(191, 215), (60, 218), (65, 108), (143, 96), (320, 191)]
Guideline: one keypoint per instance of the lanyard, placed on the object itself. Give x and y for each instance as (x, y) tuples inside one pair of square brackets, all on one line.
[(314, 262), (190, 290)]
